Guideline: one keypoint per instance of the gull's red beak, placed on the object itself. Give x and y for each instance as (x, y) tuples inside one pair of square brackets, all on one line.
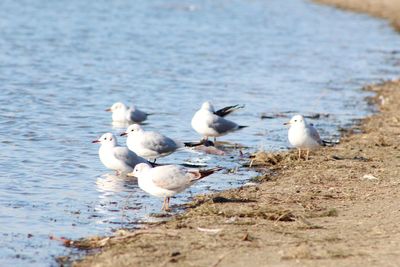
[(108, 110), (123, 134), (95, 141)]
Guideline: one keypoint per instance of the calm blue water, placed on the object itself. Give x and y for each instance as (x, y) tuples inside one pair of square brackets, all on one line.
[(63, 62)]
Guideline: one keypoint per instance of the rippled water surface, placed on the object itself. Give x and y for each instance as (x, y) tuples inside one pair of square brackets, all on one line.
[(63, 62)]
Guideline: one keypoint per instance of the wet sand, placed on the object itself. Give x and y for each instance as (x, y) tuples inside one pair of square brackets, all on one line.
[(340, 208)]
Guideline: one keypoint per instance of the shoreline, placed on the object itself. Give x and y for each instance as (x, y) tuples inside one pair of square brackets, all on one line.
[(339, 208), (385, 9)]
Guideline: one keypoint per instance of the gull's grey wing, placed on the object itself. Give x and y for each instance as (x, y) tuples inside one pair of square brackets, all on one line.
[(314, 134), (170, 177), (137, 115), (158, 142), (130, 158), (222, 125), (227, 110)]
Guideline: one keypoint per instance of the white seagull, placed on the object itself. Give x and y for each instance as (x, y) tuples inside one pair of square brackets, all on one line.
[(149, 145), (124, 114), (168, 180), (303, 135), (116, 157), (210, 123)]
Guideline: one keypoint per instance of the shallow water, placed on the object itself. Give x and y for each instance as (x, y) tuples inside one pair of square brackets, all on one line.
[(63, 62)]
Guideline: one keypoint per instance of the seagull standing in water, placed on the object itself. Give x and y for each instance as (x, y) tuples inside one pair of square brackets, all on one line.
[(149, 145), (210, 123), (302, 135), (168, 180), (116, 157), (124, 114)]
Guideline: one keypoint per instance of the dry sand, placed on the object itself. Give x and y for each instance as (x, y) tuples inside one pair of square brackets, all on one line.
[(387, 9), (341, 208)]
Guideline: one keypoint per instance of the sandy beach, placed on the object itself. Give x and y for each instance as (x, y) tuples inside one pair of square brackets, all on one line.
[(387, 9), (340, 208)]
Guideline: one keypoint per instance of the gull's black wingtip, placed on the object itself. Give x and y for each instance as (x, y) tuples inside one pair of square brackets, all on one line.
[(228, 110)]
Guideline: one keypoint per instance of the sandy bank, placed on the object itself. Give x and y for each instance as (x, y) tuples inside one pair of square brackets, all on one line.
[(387, 9)]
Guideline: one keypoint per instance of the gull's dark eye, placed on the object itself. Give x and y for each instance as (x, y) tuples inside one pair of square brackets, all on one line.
[(295, 120), (105, 138)]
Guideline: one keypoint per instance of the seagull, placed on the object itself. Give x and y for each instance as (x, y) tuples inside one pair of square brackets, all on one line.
[(116, 157), (121, 113), (149, 145), (303, 135), (167, 180), (208, 122)]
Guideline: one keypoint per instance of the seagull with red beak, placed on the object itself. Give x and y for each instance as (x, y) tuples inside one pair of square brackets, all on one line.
[(167, 180), (116, 157)]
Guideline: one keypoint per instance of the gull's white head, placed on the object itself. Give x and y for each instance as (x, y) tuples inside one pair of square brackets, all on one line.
[(139, 168), (207, 106), (133, 129), (107, 139), (117, 107), (296, 120)]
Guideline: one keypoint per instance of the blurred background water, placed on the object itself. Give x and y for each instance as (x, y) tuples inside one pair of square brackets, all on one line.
[(63, 62)]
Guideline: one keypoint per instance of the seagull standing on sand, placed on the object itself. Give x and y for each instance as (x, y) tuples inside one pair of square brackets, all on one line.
[(149, 145), (116, 157), (210, 123), (121, 113), (303, 135), (168, 180)]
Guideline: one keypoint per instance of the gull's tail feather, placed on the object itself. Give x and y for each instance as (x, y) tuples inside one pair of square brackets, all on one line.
[(202, 142), (200, 174), (207, 172), (228, 110)]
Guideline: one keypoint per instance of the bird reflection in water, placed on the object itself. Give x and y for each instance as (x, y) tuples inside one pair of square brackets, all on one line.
[(118, 194)]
